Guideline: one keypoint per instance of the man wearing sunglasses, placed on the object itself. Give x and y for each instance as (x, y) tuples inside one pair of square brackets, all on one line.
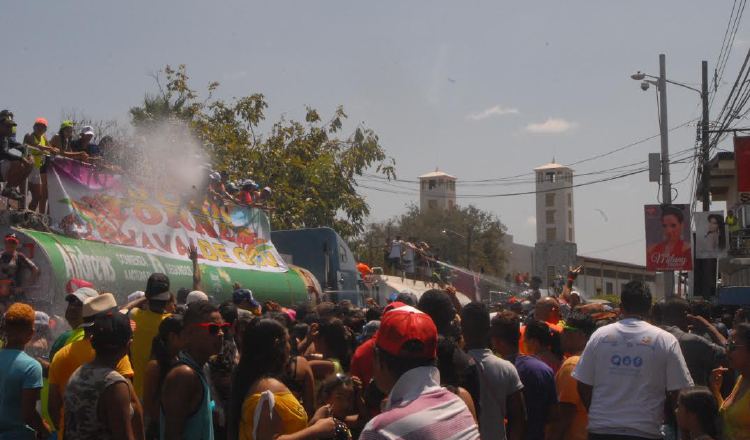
[(186, 401)]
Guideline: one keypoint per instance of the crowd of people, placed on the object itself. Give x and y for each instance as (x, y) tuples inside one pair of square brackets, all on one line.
[(24, 165), (165, 366)]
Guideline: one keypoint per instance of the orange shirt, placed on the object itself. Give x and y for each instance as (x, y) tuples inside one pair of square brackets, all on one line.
[(567, 392)]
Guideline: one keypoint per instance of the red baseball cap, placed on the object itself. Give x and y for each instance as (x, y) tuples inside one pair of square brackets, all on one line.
[(407, 332), (75, 284)]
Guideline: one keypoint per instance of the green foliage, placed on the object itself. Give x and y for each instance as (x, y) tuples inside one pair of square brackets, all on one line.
[(484, 228), (310, 165)]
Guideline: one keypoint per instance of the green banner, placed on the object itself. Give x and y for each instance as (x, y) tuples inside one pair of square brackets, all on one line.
[(122, 270)]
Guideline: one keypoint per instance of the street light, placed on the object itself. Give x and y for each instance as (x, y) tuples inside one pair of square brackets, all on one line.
[(466, 237), (661, 85)]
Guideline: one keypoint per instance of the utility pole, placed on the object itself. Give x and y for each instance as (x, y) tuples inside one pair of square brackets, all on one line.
[(666, 184), (704, 275), (468, 248), (705, 174)]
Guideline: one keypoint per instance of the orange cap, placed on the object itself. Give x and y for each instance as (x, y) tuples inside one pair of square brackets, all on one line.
[(41, 121)]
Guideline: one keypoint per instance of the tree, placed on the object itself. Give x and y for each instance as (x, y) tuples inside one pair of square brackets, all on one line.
[(484, 228), (309, 165)]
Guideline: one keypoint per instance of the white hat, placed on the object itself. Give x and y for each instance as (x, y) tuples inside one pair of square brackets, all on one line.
[(195, 296), (135, 296), (87, 130), (98, 304)]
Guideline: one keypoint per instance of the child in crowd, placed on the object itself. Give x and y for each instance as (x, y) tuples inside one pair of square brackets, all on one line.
[(697, 413)]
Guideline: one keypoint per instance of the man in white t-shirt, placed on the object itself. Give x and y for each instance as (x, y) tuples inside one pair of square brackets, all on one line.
[(626, 371)]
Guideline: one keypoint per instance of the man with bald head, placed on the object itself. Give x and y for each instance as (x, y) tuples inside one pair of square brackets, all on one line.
[(547, 309)]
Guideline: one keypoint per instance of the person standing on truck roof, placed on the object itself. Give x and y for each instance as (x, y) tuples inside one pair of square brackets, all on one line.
[(394, 256), (146, 323)]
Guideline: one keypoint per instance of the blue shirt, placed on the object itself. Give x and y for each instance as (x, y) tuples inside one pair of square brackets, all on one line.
[(18, 372), (539, 392)]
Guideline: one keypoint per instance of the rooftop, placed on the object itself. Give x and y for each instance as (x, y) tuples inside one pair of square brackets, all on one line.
[(436, 173), (551, 166)]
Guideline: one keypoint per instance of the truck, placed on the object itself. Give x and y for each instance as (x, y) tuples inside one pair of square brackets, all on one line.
[(326, 255)]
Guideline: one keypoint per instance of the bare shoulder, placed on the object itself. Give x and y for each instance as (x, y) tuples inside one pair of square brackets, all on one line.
[(268, 384)]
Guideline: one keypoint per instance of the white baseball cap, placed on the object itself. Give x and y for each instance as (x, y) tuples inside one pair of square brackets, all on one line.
[(87, 130), (195, 296)]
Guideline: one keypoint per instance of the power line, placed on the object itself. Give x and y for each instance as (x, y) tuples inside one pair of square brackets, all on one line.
[(531, 174), (727, 44), (522, 193)]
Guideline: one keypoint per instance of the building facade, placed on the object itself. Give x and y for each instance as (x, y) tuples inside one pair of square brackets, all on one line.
[(437, 190)]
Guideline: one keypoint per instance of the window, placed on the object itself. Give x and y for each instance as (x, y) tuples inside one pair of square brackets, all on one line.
[(593, 272), (424, 185), (432, 204), (610, 288), (570, 234), (452, 185), (441, 182), (550, 217), (570, 216), (610, 274), (432, 183), (550, 177), (551, 234), (549, 200), (570, 200)]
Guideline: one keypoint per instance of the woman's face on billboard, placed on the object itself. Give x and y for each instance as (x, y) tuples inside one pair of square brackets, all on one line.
[(672, 227), (713, 225)]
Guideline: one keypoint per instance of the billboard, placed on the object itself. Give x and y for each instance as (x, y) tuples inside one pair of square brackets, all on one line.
[(710, 235), (742, 162), (668, 238)]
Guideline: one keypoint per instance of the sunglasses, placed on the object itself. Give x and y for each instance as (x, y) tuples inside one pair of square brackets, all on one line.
[(213, 328), (731, 346)]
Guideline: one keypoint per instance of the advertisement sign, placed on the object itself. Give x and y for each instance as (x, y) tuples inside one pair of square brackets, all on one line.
[(742, 162), (88, 204), (122, 270), (668, 238), (710, 235)]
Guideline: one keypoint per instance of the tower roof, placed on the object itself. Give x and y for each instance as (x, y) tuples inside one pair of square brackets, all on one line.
[(551, 166), (436, 173)]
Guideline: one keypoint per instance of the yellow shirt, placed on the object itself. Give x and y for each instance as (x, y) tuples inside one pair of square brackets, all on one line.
[(38, 155), (146, 327), (292, 414), (567, 392), (66, 362), (735, 413)]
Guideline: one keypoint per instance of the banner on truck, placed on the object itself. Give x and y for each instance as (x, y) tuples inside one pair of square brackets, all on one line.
[(668, 238), (90, 204)]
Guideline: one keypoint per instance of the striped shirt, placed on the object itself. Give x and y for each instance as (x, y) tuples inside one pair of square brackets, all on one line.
[(418, 408)]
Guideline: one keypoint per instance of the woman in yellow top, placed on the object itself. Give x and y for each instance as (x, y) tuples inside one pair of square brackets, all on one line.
[(263, 408), (38, 176), (735, 409)]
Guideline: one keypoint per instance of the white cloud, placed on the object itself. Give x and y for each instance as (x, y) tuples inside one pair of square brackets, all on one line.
[(531, 220), (551, 126), (497, 110)]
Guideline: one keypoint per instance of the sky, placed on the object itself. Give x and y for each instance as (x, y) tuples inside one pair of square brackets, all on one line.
[(479, 89)]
